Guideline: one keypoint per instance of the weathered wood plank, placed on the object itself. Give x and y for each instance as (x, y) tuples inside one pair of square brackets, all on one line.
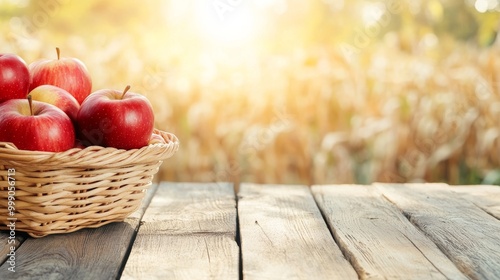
[(7, 241), (188, 232), (464, 232), (283, 236), (484, 197), (378, 240), (85, 254)]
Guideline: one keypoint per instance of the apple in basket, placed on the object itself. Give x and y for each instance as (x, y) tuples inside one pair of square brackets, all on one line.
[(67, 73), (14, 77), (119, 119), (57, 97), (35, 126)]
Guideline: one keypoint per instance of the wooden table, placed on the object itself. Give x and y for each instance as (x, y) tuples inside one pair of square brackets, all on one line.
[(205, 231)]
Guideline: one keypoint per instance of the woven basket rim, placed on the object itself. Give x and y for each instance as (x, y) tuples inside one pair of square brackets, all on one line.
[(92, 156)]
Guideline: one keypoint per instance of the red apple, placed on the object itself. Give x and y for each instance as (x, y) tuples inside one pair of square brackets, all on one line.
[(67, 73), (113, 118), (35, 126), (14, 77), (57, 97)]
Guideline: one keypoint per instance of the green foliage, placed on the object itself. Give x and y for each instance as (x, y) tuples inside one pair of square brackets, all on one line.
[(492, 178)]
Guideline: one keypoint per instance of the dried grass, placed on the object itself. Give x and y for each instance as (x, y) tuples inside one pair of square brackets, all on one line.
[(409, 119), (314, 116)]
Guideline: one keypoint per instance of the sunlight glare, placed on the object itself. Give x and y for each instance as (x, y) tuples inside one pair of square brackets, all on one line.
[(223, 24), (483, 6), (373, 12)]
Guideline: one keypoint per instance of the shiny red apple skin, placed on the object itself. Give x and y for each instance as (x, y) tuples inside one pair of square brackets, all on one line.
[(67, 73), (48, 129), (14, 77), (105, 119), (57, 97)]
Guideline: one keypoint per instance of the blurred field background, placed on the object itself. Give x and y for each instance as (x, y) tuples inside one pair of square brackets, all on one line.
[(289, 91)]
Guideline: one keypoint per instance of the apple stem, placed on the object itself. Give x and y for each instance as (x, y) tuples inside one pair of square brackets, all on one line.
[(58, 51), (31, 104), (125, 91)]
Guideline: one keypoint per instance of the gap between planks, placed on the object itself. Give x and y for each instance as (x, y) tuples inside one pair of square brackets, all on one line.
[(94, 253), (188, 232), (377, 239), (284, 236), (464, 232)]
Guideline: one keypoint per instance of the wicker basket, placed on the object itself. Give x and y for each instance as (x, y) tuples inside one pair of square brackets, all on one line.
[(79, 188)]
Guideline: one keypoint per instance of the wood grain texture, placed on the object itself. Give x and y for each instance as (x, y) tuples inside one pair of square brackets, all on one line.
[(484, 197), (378, 240), (283, 236), (465, 233), (188, 232), (84, 254), (6, 243)]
